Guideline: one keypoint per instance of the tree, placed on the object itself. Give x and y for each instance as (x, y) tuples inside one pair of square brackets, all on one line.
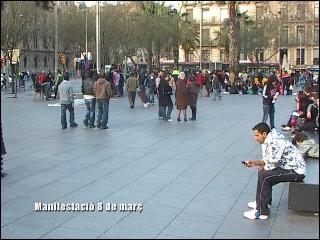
[(233, 49)]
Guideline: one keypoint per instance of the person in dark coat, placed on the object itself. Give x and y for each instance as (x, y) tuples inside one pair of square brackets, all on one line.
[(181, 96), (193, 91), (165, 101), (3, 151)]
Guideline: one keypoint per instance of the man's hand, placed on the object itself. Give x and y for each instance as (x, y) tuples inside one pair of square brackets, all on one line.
[(250, 163)]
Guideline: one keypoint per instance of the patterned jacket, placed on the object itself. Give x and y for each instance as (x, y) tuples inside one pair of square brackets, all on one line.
[(279, 152)]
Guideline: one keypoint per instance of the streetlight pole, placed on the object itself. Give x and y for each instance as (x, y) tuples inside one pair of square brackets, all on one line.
[(200, 35), (56, 40), (98, 35), (279, 12)]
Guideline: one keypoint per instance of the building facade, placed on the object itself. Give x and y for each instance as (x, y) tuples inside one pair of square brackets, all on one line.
[(298, 30)]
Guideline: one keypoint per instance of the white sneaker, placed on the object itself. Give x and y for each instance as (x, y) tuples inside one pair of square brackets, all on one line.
[(254, 214), (169, 120), (253, 205)]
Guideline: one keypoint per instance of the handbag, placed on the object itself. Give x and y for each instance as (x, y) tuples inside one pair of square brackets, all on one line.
[(291, 87)]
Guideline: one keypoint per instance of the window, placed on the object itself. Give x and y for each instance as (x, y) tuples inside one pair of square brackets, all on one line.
[(259, 12), (25, 62), (316, 12), (205, 55), (316, 35), (25, 40), (300, 57), (284, 14), (301, 12), (45, 62), (206, 15), (316, 56), (36, 62), (300, 34), (284, 35), (35, 40), (261, 56), (222, 56), (190, 56), (45, 42), (223, 14), (205, 37), (189, 15)]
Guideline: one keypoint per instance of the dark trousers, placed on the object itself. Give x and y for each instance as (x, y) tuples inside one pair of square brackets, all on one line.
[(269, 178), (194, 112)]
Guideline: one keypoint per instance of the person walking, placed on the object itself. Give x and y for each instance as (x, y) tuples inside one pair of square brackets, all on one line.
[(282, 162), (102, 91), (67, 102), (132, 85), (89, 99), (181, 96), (165, 101), (269, 95)]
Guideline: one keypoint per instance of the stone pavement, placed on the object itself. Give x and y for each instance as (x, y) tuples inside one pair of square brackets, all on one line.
[(187, 175)]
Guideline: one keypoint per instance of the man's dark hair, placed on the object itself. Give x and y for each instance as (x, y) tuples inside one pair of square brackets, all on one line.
[(262, 127)]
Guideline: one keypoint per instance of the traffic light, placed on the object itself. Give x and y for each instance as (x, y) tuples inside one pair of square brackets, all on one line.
[(62, 58)]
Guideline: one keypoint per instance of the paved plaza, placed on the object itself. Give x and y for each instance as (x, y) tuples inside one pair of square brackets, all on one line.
[(186, 176)]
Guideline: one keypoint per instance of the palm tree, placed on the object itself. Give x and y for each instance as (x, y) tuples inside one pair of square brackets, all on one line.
[(233, 48)]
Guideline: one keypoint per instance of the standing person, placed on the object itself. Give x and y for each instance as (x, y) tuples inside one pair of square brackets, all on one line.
[(282, 162), (58, 79), (208, 82), (181, 96), (67, 102), (132, 85), (116, 80), (102, 91), (121, 84), (269, 96), (165, 101), (216, 85), (151, 85), (89, 99), (193, 91), (3, 152)]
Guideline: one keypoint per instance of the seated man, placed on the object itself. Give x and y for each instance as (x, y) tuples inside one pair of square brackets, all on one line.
[(281, 162)]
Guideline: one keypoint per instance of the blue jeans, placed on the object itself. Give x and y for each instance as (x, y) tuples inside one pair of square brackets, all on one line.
[(217, 93), (103, 114), (91, 111), (64, 108), (268, 110), (165, 111)]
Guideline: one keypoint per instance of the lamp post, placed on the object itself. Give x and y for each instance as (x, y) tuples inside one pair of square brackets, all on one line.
[(56, 40), (98, 34), (200, 35), (279, 12), (86, 12)]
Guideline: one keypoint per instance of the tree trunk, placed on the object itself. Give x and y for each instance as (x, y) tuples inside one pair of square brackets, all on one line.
[(149, 59), (157, 58), (176, 55), (233, 51)]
